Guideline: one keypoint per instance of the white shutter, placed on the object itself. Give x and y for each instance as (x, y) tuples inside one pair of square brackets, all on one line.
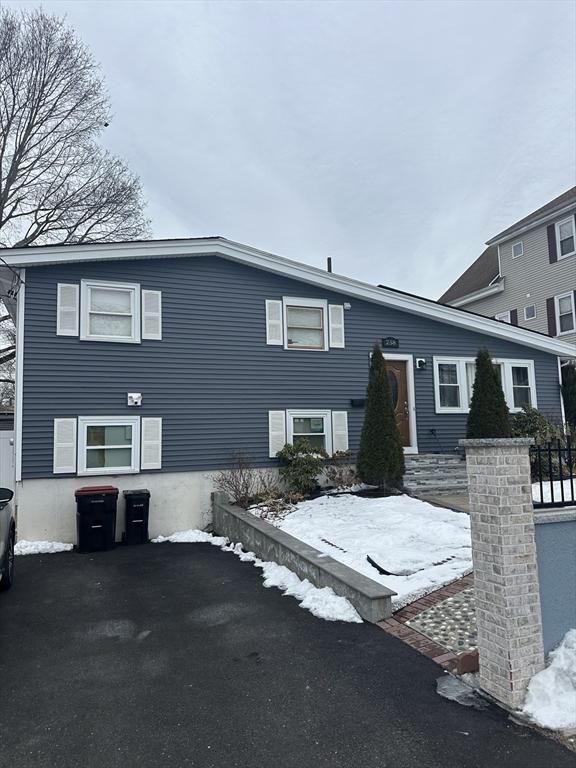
[(336, 318), (151, 314), (64, 445), (276, 431), (339, 431), (151, 453), (274, 323), (68, 310)]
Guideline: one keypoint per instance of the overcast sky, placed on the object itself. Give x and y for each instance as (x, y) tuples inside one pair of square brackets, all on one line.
[(395, 137)]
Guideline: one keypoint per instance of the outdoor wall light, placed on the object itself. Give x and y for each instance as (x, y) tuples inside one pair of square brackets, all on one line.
[(134, 398), (420, 363)]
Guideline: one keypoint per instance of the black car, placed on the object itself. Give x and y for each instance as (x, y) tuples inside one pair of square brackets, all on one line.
[(7, 539)]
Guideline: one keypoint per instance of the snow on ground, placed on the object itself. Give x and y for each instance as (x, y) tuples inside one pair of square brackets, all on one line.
[(569, 491), (323, 603), (551, 698), (405, 536), (40, 547)]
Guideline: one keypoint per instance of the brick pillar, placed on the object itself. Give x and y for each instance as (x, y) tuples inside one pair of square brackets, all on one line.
[(506, 587)]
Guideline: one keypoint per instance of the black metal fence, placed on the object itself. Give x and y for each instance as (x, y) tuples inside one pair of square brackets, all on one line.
[(554, 474)]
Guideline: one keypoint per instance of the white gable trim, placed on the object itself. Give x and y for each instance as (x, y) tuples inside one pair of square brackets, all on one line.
[(155, 249), (469, 298)]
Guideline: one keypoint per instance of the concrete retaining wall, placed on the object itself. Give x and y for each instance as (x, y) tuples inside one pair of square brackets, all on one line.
[(556, 549), (372, 600)]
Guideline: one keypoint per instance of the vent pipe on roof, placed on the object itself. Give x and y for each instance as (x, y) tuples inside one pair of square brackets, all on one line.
[(329, 264)]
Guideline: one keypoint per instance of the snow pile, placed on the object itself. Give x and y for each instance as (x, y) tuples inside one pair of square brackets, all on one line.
[(323, 603), (192, 537), (568, 487), (551, 698), (40, 547), (423, 547)]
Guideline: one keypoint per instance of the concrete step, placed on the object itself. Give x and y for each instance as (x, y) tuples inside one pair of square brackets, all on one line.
[(436, 475)]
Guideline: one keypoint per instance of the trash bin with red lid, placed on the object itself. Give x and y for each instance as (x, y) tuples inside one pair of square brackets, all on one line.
[(96, 517)]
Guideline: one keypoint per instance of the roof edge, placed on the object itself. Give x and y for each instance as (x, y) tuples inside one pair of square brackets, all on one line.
[(482, 293), (513, 231), (49, 255)]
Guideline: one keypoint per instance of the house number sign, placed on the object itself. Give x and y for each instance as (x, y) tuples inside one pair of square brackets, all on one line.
[(390, 343)]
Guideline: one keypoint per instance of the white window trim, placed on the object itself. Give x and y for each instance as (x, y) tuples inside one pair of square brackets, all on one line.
[(89, 421), (460, 364), (557, 299), (85, 335), (313, 414), (568, 220), (507, 386), (533, 316), (503, 317), (292, 301), (521, 244)]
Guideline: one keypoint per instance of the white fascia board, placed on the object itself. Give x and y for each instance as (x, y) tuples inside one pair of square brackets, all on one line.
[(469, 298), (220, 247), (544, 219)]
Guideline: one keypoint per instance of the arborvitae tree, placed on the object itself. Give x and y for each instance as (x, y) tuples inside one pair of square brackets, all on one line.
[(380, 458), (569, 393), (489, 415)]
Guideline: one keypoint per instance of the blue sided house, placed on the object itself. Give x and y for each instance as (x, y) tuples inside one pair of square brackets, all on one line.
[(149, 364)]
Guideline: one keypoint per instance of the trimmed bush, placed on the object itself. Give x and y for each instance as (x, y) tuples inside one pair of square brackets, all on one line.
[(301, 465), (489, 415), (380, 458), (530, 422)]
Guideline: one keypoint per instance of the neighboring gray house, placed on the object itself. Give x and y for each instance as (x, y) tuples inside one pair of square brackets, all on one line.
[(148, 364), (527, 274)]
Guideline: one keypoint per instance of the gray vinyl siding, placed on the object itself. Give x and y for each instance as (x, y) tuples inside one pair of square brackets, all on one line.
[(212, 377), (533, 274)]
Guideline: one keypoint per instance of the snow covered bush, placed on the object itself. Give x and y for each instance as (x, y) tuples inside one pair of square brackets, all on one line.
[(301, 463)]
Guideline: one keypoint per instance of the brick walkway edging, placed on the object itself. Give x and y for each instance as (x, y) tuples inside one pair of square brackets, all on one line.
[(396, 626)]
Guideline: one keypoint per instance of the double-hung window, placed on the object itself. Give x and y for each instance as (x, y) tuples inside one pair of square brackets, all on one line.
[(454, 383), (504, 317), (565, 315), (305, 321), (565, 238), (449, 395), (312, 426), (521, 389), (110, 311), (108, 445)]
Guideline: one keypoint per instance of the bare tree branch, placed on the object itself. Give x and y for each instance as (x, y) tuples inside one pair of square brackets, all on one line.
[(56, 183)]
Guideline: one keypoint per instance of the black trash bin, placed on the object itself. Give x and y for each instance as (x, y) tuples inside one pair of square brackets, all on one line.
[(96, 517), (136, 521)]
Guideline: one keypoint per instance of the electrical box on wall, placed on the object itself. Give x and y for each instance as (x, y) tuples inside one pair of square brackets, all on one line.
[(134, 398)]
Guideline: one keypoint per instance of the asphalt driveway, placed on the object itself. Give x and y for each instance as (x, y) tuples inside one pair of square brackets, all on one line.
[(175, 655)]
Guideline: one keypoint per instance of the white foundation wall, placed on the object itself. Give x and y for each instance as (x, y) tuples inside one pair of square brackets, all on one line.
[(46, 508)]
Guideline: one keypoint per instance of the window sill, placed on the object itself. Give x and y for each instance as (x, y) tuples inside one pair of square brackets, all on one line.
[(98, 472), (108, 339)]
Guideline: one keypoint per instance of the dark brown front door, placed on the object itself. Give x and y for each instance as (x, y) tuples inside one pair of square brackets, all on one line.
[(399, 390)]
